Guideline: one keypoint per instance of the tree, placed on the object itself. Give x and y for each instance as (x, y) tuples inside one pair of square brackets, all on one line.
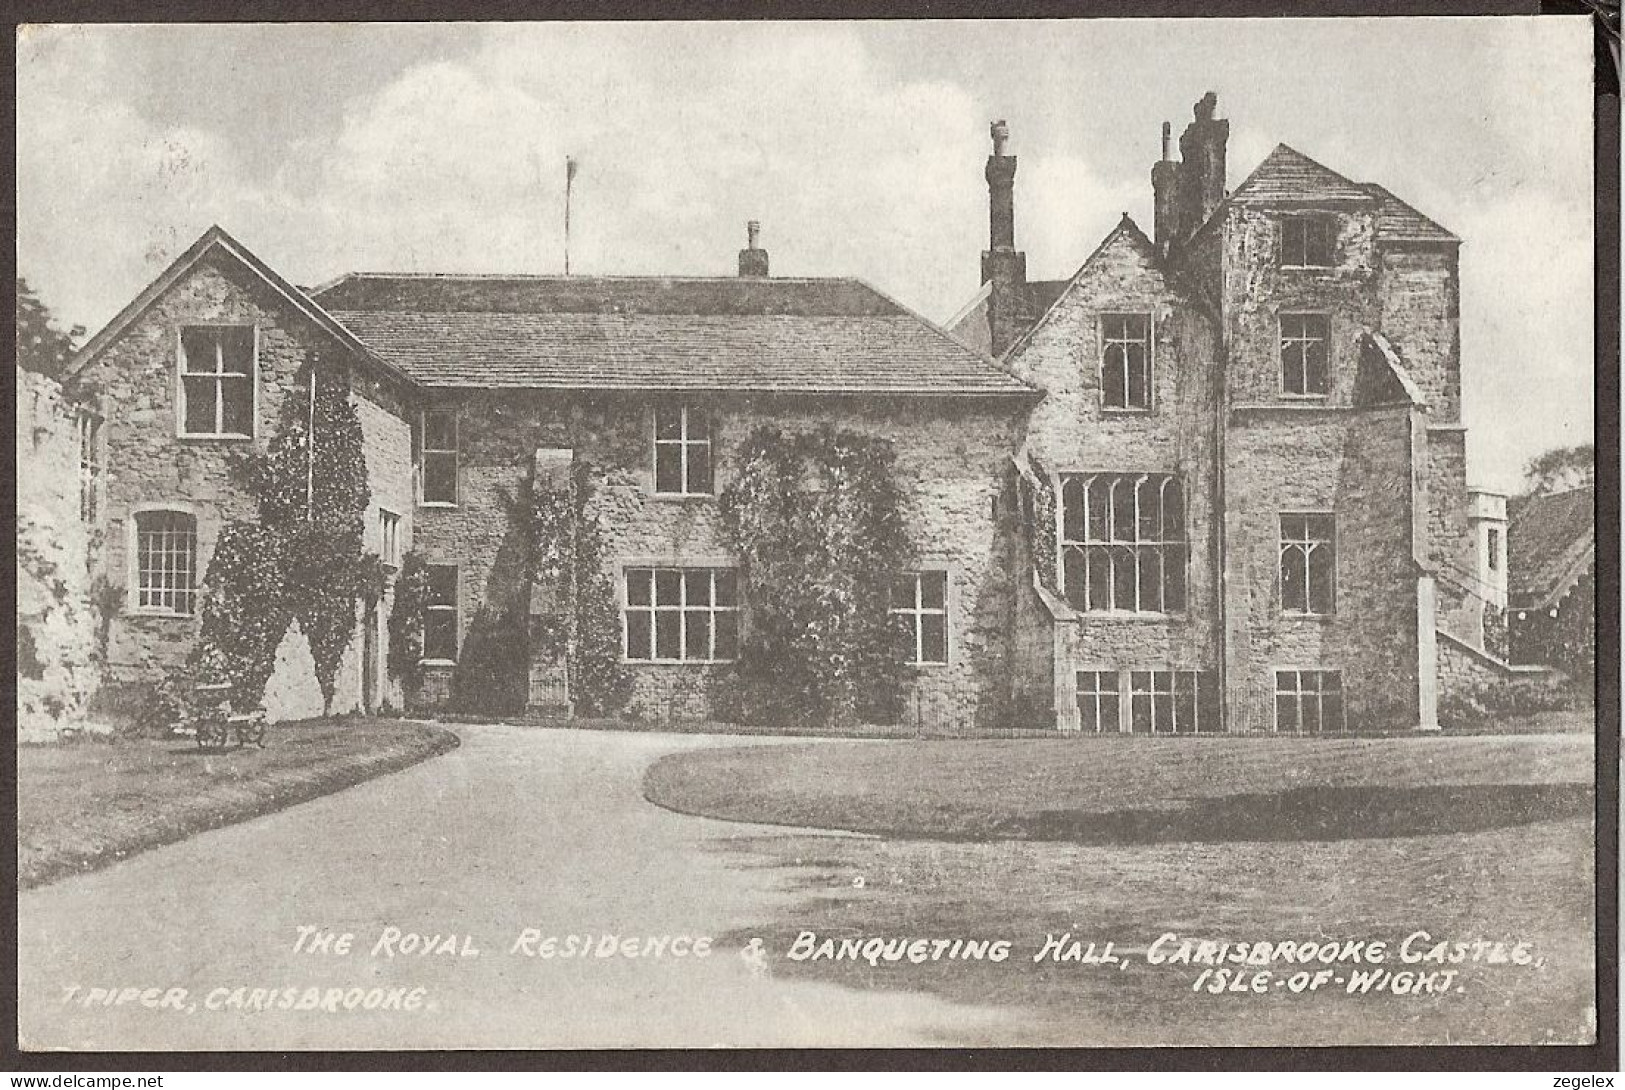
[(1561, 469), (41, 346)]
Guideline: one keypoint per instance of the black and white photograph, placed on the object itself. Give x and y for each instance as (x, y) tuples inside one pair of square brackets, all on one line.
[(809, 535)]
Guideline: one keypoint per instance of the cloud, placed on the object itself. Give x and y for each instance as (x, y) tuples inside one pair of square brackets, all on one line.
[(1526, 330), (105, 198), (858, 158)]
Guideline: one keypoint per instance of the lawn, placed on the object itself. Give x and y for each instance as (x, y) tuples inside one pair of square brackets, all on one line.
[(91, 803), (1229, 839)]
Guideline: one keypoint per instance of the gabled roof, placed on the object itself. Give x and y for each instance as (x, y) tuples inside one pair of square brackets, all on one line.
[(1399, 222), (788, 335), (1126, 229), (1288, 175), (216, 240), (1551, 544)]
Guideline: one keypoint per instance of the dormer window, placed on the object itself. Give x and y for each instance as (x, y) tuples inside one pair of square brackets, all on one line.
[(1307, 242)]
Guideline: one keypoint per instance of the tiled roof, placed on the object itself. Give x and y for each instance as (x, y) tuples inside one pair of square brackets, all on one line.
[(639, 333), (1551, 543), (1398, 221), (1289, 175), (828, 297)]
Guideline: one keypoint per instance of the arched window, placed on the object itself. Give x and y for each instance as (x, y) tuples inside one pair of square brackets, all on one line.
[(165, 562)]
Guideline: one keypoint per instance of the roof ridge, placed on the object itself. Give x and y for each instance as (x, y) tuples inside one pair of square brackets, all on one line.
[(580, 277), (1276, 152)]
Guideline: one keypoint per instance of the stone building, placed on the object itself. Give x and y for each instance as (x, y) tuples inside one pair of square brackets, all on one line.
[(1214, 480), (468, 387), (1245, 486)]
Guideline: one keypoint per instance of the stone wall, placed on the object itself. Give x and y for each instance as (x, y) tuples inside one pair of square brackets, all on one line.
[(1071, 432), (56, 651), (1466, 674), (386, 428), (1358, 467), (1452, 542), (952, 460), (1256, 291), (1420, 295), (151, 467)]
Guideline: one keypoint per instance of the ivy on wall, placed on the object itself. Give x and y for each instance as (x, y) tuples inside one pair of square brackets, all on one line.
[(303, 559), (244, 610), (1038, 508), (405, 652), (600, 683), (816, 520)]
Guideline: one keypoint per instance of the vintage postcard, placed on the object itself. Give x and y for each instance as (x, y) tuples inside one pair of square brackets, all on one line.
[(586, 535)]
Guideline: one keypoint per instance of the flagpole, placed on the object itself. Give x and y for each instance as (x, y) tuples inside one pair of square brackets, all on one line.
[(569, 181)]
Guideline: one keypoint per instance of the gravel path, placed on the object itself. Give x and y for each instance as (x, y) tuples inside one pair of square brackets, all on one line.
[(518, 828)]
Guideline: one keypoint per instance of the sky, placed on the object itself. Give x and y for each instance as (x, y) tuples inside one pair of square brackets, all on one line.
[(328, 148)]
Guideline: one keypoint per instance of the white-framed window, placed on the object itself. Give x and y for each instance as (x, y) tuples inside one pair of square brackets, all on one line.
[(1123, 542), (1309, 563), (165, 562), (1125, 362), (1305, 355), (1492, 546), (682, 614), (217, 381), (921, 598), (389, 538), (437, 457), (1308, 242), (89, 428), (1099, 701), (682, 443), (440, 614), (1309, 701), (1174, 702)]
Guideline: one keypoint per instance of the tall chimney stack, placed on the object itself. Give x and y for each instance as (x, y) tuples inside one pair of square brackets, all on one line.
[(1165, 191), (1202, 170), (1004, 268), (752, 259)]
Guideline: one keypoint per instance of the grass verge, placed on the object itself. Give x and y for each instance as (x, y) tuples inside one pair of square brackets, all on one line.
[(1228, 840), (93, 803), (1138, 790)]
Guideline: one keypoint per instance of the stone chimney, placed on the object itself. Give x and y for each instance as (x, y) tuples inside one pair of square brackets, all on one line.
[(753, 259), (1004, 268), (1202, 170), (1165, 194)]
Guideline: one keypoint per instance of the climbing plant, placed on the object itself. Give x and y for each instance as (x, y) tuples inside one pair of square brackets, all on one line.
[(1038, 513), (303, 559), (600, 683), (567, 556), (405, 653), (816, 519), (244, 613)]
